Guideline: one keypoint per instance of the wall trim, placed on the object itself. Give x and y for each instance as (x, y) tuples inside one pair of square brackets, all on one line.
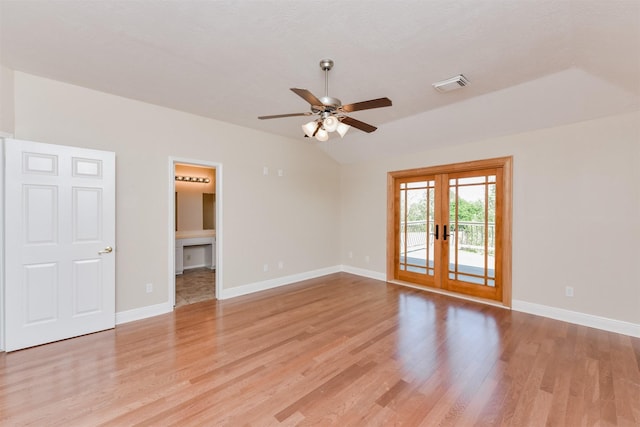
[(583, 319), (277, 282), (2, 320), (363, 272), (575, 317), (143, 313), (192, 267)]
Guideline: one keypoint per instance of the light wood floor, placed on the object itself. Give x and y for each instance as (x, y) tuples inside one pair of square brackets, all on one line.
[(339, 350)]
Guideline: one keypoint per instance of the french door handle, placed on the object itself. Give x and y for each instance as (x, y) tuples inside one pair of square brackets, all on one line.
[(444, 232), (106, 250), (436, 233)]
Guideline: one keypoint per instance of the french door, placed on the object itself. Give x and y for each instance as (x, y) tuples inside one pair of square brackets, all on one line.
[(451, 228)]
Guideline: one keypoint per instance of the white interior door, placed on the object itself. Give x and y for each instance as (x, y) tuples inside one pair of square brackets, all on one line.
[(59, 240)]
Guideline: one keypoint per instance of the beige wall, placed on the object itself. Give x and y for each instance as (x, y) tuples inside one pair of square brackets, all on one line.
[(576, 197), (6, 101), (266, 219), (576, 213)]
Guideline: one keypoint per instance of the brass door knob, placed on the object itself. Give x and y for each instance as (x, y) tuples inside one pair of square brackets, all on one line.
[(106, 250)]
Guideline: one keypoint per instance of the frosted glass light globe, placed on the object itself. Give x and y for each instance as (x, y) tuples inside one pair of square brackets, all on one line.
[(342, 129), (322, 135), (309, 128), (330, 124)]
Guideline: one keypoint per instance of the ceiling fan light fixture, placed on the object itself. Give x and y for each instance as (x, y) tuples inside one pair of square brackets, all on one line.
[(330, 123), (342, 129), (309, 128), (329, 111), (322, 135)]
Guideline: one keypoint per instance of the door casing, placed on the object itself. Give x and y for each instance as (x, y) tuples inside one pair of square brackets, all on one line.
[(171, 272)]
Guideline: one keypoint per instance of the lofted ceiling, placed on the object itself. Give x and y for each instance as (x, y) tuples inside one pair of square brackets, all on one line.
[(531, 63)]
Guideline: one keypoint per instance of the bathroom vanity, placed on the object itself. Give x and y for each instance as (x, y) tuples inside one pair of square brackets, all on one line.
[(206, 238)]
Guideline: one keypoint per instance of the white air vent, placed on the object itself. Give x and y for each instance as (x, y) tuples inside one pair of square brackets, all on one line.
[(453, 83)]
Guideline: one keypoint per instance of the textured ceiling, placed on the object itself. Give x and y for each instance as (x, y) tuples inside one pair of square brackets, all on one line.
[(532, 64)]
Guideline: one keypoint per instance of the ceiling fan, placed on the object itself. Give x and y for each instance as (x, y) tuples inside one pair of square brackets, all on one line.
[(330, 111)]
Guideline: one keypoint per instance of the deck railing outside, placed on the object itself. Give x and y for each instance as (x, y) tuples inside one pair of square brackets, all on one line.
[(470, 235)]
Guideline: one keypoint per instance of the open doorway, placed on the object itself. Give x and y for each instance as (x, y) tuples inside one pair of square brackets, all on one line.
[(195, 233)]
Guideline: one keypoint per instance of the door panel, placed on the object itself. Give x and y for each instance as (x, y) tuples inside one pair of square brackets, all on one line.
[(40, 211), (40, 293), (417, 227), (87, 287), (448, 227), (473, 233), (59, 216), (87, 206)]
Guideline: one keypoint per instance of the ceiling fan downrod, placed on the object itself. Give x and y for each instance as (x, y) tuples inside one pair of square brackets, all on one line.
[(330, 104), (326, 65)]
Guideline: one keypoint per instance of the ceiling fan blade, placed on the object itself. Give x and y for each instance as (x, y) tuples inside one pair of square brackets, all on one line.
[(307, 96), (367, 105), (279, 116), (365, 127)]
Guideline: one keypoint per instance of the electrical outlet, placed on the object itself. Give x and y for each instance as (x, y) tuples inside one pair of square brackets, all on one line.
[(350, 254), (265, 170), (366, 259), (149, 287), (280, 172), (265, 267), (188, 257), (280, 265), (568, 291)]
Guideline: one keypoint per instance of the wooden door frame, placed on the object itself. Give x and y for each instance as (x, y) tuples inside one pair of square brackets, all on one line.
[(506, 163)]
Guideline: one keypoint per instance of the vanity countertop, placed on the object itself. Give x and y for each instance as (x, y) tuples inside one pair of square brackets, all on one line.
[(195, 233)]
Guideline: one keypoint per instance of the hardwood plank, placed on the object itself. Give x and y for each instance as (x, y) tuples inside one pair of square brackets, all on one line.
[(392, 393), (336, 350)]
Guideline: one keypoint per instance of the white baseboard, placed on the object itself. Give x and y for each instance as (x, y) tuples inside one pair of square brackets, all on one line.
[(365, 273), (611, 325), (142, 313), (604, 323), (193, 267), (274, 283)]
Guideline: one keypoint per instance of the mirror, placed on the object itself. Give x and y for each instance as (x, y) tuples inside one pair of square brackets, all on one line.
[(208, 211)]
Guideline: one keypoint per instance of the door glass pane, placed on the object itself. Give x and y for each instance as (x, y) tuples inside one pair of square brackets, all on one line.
[(472, 229), (416, 227), (403, 204), (471, 180)]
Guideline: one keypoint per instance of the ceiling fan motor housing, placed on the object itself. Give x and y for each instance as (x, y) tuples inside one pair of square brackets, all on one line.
[(329, 104)]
